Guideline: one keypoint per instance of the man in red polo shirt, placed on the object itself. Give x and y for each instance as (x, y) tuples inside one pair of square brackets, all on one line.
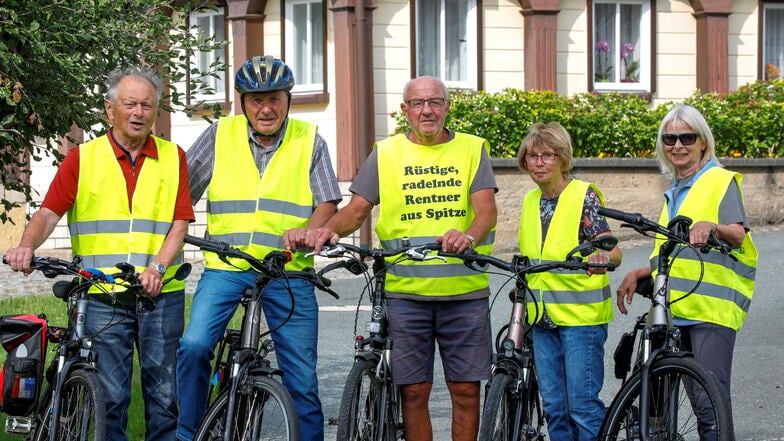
[(127, 199)]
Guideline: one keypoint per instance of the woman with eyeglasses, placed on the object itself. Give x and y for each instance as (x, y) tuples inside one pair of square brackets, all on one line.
[(570, 312), (711, 196)]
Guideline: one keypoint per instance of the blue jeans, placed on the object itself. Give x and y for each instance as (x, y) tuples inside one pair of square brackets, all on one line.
[(217, 297), (117, 329), (570, 368)]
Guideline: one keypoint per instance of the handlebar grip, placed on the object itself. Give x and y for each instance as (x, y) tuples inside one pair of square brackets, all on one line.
[(631, 218), (204, 243)]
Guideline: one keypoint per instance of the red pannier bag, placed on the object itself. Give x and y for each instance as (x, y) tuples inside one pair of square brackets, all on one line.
[(24, 339)]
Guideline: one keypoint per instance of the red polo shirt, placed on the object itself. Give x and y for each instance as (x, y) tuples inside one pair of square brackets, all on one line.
[(62, 191)]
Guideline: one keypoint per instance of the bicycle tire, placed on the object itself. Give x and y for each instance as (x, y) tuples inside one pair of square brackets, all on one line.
[(671, 420), (82, 410), (507, 417), (264, 410), (364, 398)]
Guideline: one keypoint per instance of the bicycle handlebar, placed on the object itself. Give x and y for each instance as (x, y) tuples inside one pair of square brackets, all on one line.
[(520, 265), (677, 230), (272, 265), (414, 252)]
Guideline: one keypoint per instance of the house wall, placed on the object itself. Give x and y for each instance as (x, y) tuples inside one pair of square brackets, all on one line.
[(503, 68)]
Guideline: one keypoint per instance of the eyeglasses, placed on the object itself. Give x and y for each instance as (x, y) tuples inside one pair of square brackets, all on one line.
[(547, 158), (686, 138), (435, 103)]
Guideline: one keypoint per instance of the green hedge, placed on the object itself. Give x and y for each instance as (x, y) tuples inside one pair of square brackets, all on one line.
[(748, 122)]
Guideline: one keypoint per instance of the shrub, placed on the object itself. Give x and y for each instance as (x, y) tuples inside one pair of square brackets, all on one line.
[(748, 122)]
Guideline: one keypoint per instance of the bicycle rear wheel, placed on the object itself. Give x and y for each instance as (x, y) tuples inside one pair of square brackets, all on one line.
[(263, 411), (82, 410), (511, 416), (676, 384), (365, 399)]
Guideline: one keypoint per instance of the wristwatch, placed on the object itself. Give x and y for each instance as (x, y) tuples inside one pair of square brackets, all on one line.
[(161, 268)]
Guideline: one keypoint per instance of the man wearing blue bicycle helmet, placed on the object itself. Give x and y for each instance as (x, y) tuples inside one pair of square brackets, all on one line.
[(267, 177)]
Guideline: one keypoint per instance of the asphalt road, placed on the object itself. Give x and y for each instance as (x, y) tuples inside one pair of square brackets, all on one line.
[(758, 371)]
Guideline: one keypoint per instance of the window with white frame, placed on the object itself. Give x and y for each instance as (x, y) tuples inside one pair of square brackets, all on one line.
[(210, 23), (305, 43), (446, 41), (773, 41), (621, 45)]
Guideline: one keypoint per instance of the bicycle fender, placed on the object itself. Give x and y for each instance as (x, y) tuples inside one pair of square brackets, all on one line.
[(366, 356), (670, 354), (660, 354), (264, 370)]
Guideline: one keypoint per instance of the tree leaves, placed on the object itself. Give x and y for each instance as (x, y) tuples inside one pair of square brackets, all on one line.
[(54, 58)]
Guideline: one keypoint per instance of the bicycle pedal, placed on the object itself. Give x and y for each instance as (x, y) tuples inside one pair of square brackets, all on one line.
[(20, 425)]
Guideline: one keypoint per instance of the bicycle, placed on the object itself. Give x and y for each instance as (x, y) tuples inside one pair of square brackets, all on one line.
[(512, 407), (251, 404), (370, 408), (652, 402), (73, 398)]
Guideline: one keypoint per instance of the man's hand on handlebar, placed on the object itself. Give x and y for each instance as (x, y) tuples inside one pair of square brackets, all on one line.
[(313, 238), (151, 281), (454, 241), (19, 259)]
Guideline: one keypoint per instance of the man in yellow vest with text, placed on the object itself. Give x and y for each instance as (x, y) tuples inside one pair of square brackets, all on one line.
[(435, 185)]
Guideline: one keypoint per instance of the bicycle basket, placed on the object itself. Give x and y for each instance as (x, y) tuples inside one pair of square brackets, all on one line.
[(24, 339)]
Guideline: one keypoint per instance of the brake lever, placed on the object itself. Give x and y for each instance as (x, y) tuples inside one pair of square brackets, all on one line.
[(329, 251), (719, 245), (422, 254)]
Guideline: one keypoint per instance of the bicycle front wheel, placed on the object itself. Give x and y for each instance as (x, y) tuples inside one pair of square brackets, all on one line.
[(263, 411), (684, 404), (509, 415), (82, 410), (369, 408)]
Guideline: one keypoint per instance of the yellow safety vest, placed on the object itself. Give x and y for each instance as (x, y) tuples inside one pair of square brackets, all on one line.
[(724, 295), (103, 230), (252, 212), (425, 191), (572, 298)]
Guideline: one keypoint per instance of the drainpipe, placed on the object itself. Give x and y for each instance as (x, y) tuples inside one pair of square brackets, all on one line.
[(365, 109)]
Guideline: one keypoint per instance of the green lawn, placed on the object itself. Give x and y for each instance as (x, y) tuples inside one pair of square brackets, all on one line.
[(56, 312)]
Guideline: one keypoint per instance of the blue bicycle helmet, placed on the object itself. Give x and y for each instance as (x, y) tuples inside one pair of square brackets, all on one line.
[(264, 74)]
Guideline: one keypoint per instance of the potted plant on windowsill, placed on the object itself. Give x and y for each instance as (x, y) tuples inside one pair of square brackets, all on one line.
[(630, 65), (603, 70)]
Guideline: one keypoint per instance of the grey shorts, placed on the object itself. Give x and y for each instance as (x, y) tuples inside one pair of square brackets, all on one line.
[(461, 328)]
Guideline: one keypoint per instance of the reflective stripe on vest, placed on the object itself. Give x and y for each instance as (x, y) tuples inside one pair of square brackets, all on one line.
[(103, 230), (724, 295), (572, 298), (425, 191), (251, 212)]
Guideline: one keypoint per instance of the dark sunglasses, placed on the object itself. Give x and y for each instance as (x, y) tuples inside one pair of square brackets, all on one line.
[(686, 138)]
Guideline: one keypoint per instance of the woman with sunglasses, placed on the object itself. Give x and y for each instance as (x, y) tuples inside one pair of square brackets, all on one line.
[(711, 196), (570, 311)]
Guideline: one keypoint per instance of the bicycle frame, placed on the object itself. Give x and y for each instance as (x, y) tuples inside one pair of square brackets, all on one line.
[(74, 348), (249, 353), (249, 359), (377, 348), (659, 337)]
